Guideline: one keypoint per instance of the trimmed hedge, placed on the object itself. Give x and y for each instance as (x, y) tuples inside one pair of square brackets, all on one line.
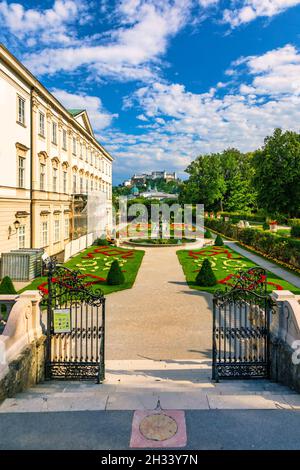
[(219, 241), (293, 222), (115, 276), (6, 286), (283, 249), (206, 277), (101, 242), (207, 234), (266, 226), (295, 231), (237, 216)]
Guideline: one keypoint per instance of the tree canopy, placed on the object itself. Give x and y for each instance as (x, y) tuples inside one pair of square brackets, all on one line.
[(266, 179), (277, 173)]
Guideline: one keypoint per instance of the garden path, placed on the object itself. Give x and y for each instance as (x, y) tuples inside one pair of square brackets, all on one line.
[(268, 265), (160, 317)]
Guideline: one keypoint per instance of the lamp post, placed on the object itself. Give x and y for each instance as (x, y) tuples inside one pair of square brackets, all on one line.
[(16, 224)]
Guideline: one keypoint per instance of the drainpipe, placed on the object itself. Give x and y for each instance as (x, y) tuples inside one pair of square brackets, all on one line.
[(31, 166)]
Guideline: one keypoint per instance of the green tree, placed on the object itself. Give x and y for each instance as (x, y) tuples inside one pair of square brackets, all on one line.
[(220, 181), (277, 173), (238, 171), (206, 182)]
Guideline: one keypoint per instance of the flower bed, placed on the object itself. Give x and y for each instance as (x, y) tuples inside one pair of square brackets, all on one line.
[(226, 264), (93, 265), (161, 241)]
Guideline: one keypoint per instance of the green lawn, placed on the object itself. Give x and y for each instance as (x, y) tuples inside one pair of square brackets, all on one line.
[(225, 262), (96, 261)]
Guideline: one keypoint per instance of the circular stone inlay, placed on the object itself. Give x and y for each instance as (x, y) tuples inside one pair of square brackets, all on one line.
[(158, 427)]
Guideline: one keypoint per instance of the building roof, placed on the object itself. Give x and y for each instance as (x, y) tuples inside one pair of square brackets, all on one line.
[(134, 190), (10, 60), (75, 111)]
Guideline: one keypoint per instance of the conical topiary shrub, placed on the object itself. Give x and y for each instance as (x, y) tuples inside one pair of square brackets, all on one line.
[(219, 241), (206, 276), (6, 286), (207, 234), (115, 276)]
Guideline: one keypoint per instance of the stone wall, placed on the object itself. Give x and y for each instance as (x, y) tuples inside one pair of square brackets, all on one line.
[(285, 334), (24, 371), (22, 346)]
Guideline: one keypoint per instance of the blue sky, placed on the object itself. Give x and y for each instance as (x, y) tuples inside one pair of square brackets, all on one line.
[(165, 80)]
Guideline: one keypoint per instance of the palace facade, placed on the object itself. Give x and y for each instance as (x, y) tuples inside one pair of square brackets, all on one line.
[(50, 164)]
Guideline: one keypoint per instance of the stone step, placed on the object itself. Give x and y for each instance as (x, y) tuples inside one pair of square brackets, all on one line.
[(148, 401), (139, 384)]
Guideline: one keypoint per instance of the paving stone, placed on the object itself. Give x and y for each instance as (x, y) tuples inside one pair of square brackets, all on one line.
[(293, 400), (183, 401), (247, 402), (132, 401)]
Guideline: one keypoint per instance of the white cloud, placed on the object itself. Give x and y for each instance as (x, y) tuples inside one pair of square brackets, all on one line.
[(275, 73), (249, 10), (182, 124), (99, 117), (135, 49), (207, 3), (51, 25)]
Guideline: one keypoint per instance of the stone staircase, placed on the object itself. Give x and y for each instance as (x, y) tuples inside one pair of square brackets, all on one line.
[(139, 384)]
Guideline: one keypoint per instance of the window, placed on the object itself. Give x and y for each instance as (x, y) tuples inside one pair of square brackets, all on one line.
[(44, 233), (42, 124), (42, 176), (74, 145), (92, 185), (21, 173), (81, 185), (54, 133), (64, 181), (67, 228), (21, 236), (74, 183), (54, 180), (86, 186), (56, 231), (21, 110), (80, 150), (64, 139), (86, 154)]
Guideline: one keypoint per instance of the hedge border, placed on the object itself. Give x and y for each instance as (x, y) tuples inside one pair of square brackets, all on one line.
[(280, 264)]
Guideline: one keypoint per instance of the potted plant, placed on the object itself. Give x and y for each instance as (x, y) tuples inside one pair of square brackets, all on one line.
[(273, 225)]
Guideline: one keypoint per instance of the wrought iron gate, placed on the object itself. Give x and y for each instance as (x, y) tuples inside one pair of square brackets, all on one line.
[(75, 326), (241, 318)]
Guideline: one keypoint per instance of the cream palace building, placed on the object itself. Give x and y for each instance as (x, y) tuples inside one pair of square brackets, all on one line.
[(49, 157)]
